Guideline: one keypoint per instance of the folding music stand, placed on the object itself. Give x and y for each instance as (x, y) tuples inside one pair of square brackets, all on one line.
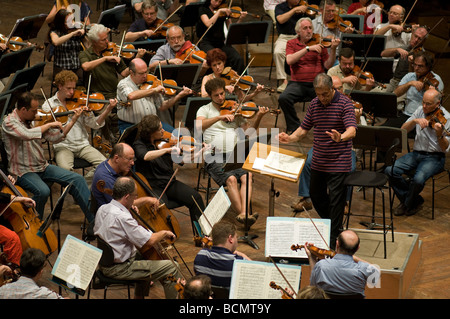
[(29, 75), (13, 95), (190, 111), (28, 28), (361, 42), (190, 16), (356, 20), (149, 45), (111, 18), (184, 74), (248, 32), (381, 68), (12, 62), (380, 104)]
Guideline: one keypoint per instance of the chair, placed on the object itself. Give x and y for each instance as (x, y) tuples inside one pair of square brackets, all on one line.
[(99, 280), (220, 292), (335, 295), (375, 180)]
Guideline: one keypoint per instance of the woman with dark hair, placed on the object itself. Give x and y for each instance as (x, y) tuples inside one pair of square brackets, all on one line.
[(216, 60), (156, 165), (68, 44)]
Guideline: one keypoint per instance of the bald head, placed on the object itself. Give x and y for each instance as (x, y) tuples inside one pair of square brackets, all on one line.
[(337, 83), (347, 242)]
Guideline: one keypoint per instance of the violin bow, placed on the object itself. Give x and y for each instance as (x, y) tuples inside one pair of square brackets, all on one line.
[(243, 72), (167, 19), (168, 183), (317, 229), (209, 223), (121, 44), (50, 106), (282, 275), (407, 16), (201, 38)]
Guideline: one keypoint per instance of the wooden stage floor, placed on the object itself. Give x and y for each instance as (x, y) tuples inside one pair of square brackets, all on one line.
[(432, 277)]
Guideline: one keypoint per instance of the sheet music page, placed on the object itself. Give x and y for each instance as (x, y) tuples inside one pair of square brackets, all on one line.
[(283, 232), (259, 164), (76, 263), (251, 279), (284, 163), (215, 210)]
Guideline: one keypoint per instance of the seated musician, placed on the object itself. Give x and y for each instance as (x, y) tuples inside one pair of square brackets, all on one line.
[(216, 59), (345, 71), (428, 156), (220, 131), (404, 55), (345, 273), (164, 7), (217, 262), (105, 71), (393, 28), (120, 162), (144, 101), (129, 240), (360, 8), (141, 29), (305, 61), (211, 15), (156, 165), (84, 11), (76, 143), (176, 44), (413, 86), (27, 162)]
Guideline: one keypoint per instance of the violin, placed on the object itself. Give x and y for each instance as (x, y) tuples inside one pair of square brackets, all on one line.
[(285, 295), (170, 86), (340, 23), (98, 144), (203, 242), (317, 252), (325, 41), (363, 76), (185, 143), (96, 101), (15, 269), (127, 51), (429, 80), (189, 54), (178, 286), (235, 12), (437, 117), (26, 223), (244, 82), (247, 110), (16, 43), (43, 117), (160, 28)]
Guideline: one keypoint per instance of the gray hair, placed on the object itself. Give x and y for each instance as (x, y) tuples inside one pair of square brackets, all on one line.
[(323, 80), (297, 25), (123, 186), (94, 32)]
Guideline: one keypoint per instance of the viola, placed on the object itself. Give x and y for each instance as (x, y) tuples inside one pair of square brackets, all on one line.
[(178, 286), (235, 12), (363, 76), (244, 82), (437, 117), (285, 295), (189, 54), (203, 241), (26, 223), (170, 86), (311, 10), (317, 252), (43, 117), (16, 43), (247, 110), (429, 80), (127, 52), (325, 41), (96, 101), (185, 143), (340, 23)]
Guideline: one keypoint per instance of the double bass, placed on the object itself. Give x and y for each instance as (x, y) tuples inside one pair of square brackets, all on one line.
[(25, 221)]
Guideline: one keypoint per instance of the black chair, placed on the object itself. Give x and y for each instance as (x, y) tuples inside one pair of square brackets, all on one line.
[(99, 280), (335, 295), (375, 180)]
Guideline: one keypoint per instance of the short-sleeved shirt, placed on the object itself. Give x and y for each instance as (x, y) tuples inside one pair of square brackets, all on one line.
[(217, 263), (106, 173), (104, 76), (328, 155), (311, 64), (289, 26)]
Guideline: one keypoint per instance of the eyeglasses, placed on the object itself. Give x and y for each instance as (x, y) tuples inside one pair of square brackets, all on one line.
[(128, 159), (419, 66)]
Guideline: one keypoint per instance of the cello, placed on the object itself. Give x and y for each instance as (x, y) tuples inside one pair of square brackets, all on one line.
[(25, 221)]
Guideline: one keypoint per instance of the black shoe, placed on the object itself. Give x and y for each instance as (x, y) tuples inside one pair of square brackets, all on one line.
[(414, 210), (400, 210)]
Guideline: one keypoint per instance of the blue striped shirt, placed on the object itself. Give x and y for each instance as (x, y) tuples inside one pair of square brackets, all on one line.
[(217, 263), (329, 156)]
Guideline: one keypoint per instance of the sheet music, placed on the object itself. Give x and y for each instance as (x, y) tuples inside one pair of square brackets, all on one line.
[(284, 163), (215, 210), (283, 232), (76, 263), (259, 165), (251, 279)]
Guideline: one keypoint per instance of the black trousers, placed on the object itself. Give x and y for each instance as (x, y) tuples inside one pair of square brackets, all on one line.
[(328, 195)]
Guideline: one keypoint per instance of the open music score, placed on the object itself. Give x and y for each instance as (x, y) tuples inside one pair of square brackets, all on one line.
[(215, 210)]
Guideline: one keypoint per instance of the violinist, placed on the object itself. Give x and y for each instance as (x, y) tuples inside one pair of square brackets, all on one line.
[(431, 123), (156, 165), (144, 101), (164, 7), (76, 143), (117, 227), (142, 28), (81, 17), (287, 14), (219, 130), (393, 28), (211, 13), (345, 273), (26, 157), (345, 71), (216, 59), (305, 61), (360, 8)]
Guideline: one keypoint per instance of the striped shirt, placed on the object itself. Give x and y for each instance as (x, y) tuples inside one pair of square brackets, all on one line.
[(26, 288), (311, 64), (24, 145), (217, 263), (329, 156)]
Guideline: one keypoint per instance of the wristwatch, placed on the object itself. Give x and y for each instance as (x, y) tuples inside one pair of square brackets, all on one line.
[(307, 48)]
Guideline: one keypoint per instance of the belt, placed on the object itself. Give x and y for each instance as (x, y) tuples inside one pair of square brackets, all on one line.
[(440, 154)]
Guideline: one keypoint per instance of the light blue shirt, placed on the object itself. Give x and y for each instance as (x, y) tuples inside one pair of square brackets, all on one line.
[(413, 98), (341, 274)]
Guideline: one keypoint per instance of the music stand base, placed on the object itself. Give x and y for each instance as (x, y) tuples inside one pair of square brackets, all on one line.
[(373, 225), (249, 240)]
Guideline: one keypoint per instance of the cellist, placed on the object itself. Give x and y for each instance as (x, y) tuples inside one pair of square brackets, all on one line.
[(117, 227)]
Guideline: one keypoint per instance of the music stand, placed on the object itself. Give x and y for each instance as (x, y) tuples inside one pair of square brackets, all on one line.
[(149, 45), (360, 44), (12, 62), (356, 20), (28, 28), (184, 74), (381, 68), (380, 104), (248, 32), (111, 18), (190, 16), (190, 111), (29, 75)]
